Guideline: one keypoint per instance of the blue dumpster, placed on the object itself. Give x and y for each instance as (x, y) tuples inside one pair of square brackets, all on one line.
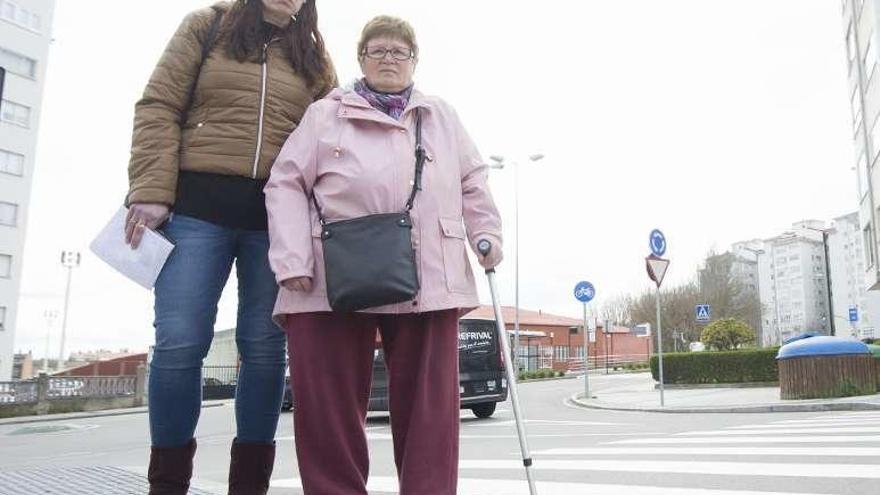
[(823, 367)]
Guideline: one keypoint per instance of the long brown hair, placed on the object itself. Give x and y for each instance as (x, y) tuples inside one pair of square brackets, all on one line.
[(302, 42)]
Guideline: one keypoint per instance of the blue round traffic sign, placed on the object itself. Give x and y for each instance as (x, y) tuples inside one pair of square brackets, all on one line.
[(584, 292), (658, 243)]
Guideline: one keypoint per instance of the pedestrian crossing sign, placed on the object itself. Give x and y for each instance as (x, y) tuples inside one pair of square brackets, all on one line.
[(703, 312)]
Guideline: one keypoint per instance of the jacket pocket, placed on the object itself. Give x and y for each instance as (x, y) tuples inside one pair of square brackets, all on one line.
[(193, 128), (452, 239)]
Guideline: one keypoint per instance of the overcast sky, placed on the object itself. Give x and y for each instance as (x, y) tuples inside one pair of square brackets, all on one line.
[(716, 121)]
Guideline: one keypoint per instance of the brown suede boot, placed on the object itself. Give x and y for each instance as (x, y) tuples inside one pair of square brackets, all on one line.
[(250, 468), (170, 469)]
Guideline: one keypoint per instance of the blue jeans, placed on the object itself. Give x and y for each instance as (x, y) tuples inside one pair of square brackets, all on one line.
[(187, 292)]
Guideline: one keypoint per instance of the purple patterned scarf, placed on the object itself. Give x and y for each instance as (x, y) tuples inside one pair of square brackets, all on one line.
[(392, 104)]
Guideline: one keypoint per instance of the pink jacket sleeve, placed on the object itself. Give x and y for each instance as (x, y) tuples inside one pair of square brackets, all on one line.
[(288, 192), (481, 217)]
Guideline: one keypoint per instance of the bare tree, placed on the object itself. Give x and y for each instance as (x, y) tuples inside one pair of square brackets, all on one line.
[(618, 310), (676, 313), (726, 292)]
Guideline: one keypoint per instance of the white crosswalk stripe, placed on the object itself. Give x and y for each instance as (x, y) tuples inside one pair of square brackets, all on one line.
[(812, 470), (842, 449), (810, 431), (717, 451), (755, 439), (477, 486)]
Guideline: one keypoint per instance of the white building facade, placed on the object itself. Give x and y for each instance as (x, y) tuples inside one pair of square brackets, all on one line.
[(861, 25), (793, 285), (849, 293), (25, 35)]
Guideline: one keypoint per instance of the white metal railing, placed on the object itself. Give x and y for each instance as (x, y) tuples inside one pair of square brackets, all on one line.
[(576, 365), (20, 392), (91, 386)]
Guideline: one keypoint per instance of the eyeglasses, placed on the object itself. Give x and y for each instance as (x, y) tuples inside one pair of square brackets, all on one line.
[(397, 54)]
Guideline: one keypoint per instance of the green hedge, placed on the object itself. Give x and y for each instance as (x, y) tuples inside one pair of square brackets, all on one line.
[(751, 365), (538, 374)]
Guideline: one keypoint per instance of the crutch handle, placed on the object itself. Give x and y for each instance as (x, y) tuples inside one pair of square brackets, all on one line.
[(483, 247)]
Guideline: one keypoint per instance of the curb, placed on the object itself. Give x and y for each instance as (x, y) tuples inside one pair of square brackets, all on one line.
[(682, 386), (83, 415), (534, 380), (759, 408)]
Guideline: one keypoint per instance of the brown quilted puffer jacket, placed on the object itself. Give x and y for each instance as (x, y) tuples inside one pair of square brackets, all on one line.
[(241, 113)]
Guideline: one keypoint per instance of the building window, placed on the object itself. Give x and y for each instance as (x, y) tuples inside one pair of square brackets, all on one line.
[(560, 353), (870, 61), (11, 163), (18, 64), (850, 48), (8, 214), (862, 171), (15, 114), (2, 318), (16, 14), (5, 266), (875, 139), (868, 234)]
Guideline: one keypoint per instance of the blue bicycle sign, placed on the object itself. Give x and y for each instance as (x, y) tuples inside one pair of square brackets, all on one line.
[(584, 292)]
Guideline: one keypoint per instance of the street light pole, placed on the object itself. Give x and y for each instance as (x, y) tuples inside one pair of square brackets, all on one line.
[(828, 282), (499, 164), (824, 233), (758, 253), (50, 315), (70, 260)]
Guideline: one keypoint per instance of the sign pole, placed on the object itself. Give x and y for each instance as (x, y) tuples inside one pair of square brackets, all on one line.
[(586, 356), (660, 346), (585, 292), (657, 267)]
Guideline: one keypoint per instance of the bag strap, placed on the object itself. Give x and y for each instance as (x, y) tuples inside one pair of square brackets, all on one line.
[(420, 162), (417, 180), (208, 40)]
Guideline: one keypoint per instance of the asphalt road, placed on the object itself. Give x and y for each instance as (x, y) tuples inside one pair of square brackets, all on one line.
[(576, 451)]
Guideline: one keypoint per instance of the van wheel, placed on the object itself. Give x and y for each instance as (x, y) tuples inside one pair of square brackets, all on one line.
[(483, 410)]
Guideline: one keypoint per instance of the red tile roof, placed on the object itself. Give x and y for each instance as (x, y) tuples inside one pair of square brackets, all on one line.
[(526, 317)]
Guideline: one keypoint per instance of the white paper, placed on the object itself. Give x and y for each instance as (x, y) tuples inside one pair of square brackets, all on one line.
[(142, 265)]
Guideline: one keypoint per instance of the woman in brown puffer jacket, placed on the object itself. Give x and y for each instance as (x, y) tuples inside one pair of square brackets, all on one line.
[(230, 87)]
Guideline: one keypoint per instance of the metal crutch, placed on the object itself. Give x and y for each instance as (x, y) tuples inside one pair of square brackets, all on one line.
[(484, 247)]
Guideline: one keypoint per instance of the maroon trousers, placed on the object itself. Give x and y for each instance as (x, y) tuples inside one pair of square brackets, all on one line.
[(331, 360)]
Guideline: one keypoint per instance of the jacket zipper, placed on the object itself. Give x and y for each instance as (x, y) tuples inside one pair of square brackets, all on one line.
[(262, 111)]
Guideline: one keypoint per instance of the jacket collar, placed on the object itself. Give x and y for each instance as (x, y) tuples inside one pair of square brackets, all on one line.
[(354, 106)]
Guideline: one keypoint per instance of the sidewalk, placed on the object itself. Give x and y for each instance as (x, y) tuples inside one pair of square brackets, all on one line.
[(18, 420), (638, 394)]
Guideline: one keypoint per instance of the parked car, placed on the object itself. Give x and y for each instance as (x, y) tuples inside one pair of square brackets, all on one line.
[(481, 371)]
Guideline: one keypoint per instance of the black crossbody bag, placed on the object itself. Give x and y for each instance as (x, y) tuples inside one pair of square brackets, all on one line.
[(369, 261)]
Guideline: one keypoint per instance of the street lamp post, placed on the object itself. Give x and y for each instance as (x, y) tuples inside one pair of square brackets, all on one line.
[(50, 315), (69, 260), (499, 164), (830, 318), (758, 253)]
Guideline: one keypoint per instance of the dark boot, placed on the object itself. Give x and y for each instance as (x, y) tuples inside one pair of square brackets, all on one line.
[(171, 469), (250, 468)]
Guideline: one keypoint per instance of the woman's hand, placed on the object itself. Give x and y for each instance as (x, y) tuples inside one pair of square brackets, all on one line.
[(298, 284), (143, 216)]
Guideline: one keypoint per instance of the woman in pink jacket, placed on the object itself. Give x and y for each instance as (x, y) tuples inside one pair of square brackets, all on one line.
[(353, 151)]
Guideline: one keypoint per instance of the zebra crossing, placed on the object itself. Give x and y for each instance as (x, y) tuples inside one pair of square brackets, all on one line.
[(827, 453)]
